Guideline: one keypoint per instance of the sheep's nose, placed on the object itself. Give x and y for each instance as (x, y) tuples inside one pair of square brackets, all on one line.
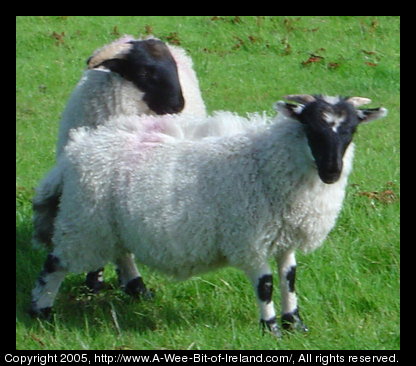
[(331, 174), (179, 106), (168, 107), (330, 178)]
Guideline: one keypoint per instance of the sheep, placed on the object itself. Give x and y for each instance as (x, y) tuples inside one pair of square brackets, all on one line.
[(185, 205), (127, 77), (132, 77)]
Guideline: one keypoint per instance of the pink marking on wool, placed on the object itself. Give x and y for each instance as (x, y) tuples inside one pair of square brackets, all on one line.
[(151, 133), (152, 138), (141, 145), (157, 125)]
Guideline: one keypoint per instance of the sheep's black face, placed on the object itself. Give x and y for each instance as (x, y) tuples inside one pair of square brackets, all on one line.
[(329, 129), (151, 67), (154, 71), (162, 89), (330, 123)]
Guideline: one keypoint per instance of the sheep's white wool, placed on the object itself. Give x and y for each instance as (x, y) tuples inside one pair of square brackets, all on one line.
[(98, 96), (184, 205), (194, 104)]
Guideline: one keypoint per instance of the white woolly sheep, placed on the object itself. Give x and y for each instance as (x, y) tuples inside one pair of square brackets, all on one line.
[(127, 77), (185, 206), (147, 77)]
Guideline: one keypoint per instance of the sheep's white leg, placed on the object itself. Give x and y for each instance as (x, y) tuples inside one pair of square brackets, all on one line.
[(287, 274), (47, 286), (130, 278), (262, 280)]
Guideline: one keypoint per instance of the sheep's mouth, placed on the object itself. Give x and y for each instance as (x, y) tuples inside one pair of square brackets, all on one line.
[(326, 176), (167, 110), (329, 178), (168, 107)]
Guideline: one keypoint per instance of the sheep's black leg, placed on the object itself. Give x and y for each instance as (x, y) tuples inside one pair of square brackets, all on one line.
[(130, 278), (290, 311), (262, 281), (95, 280), (47, 286)]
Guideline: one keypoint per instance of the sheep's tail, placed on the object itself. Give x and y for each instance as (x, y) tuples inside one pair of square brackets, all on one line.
[(45, 206)]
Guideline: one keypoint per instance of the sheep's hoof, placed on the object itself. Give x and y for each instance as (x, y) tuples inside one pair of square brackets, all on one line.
[(43, 313), (293, 322), (297, 326), (137, 289), (270, 326)]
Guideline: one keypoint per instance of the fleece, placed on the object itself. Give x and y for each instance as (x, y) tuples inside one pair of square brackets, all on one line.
[(183, 205)]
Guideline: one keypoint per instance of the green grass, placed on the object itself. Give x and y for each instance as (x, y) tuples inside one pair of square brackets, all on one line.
[(348, 289)]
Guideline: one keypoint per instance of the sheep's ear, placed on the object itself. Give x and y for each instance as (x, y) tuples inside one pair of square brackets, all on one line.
[(288, 109), (358, 101), (294, 110), (368, 115)]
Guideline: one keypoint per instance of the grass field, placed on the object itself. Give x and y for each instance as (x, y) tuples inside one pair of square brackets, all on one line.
[(348, 289)]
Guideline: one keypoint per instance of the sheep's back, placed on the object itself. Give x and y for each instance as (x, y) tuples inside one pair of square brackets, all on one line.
[(99, 96)]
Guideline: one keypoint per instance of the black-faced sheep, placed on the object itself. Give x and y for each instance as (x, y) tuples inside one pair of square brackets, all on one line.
[(185, 206), (127, 77)]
